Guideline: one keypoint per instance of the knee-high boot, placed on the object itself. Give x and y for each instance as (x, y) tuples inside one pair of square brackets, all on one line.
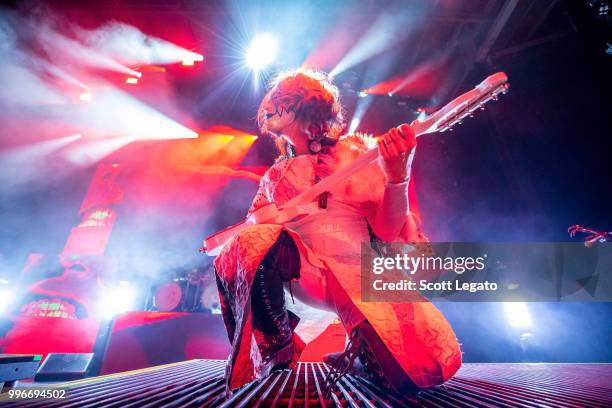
[(270, 315)]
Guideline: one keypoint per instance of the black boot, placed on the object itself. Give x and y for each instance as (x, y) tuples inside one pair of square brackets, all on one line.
[(270, 315), (271, 318)]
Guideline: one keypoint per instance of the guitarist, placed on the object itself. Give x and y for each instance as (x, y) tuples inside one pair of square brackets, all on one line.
[(403, 346)]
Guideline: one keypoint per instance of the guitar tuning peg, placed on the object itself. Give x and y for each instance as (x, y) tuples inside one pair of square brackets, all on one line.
[(494, 97)]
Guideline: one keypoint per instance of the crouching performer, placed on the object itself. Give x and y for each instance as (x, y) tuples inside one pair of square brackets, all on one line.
[(405, 346)]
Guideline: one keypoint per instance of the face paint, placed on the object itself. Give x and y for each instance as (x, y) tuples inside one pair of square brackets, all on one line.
[(271, 118)]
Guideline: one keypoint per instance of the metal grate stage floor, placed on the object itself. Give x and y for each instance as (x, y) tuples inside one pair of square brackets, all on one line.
[(199, 383)]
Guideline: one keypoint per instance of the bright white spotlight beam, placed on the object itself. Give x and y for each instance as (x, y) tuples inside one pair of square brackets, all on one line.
[(117, 300), (354, 124), (517, 314), (131, 118), (5, 300), (261, 52), (37, 150)]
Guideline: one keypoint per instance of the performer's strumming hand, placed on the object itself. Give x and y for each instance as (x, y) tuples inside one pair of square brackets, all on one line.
[(395, 147)]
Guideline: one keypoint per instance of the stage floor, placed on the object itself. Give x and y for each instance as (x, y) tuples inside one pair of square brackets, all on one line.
[(200, 383)]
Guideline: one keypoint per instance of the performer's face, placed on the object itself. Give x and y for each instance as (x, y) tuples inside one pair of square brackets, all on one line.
[(273, 119)]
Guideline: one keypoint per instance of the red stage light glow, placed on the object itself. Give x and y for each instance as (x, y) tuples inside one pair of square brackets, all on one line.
[(150, 68), (421, 82)]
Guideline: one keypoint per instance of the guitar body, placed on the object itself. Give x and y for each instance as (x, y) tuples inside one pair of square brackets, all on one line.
[(453, 113)]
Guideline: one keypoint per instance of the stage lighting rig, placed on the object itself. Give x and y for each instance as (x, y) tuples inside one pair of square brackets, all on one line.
[(601, 7)]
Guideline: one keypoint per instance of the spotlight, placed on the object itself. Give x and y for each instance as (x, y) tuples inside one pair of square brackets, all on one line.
[(190, 59), (363, 94), (131, 80), (390, 94), (117, 300), (421, 114), (261, 52), (517, 314), (85, 96)]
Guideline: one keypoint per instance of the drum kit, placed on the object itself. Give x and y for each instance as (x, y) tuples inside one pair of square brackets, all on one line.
[(186, 291)]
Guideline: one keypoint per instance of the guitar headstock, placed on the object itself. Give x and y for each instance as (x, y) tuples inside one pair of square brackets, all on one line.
[(491, 88), (464, 106)]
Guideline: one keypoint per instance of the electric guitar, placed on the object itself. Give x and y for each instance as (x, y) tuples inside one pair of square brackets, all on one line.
[(442, 120)]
